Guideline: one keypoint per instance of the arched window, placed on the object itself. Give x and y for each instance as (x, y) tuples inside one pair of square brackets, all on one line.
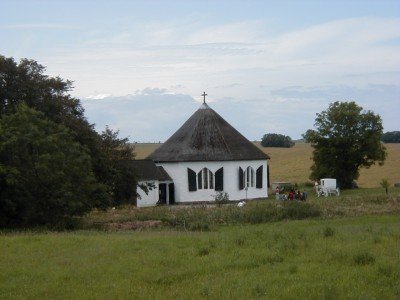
[(249, 177), (205, 179)]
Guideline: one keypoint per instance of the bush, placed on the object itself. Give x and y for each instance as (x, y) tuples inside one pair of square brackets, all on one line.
[(391, 137), (276, 140), (221, 198)]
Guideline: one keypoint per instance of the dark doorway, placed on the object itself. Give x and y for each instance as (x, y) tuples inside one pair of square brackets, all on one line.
[(171, 190), (162, 190)]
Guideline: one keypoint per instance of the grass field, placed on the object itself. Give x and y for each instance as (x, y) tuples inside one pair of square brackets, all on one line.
[(293, 164), (351, 203), (353, 258), (326, 248)]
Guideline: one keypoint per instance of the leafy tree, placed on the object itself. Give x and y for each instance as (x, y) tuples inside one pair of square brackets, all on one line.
[(276, 140), (346, 138), (119, 175), (45, 176), (26, 82), (391, 137)]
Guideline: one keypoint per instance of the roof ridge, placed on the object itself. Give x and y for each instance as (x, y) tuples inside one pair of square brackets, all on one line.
[(214, 116)]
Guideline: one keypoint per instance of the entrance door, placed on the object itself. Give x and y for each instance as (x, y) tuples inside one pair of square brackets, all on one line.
[(171, 192), (162, 197)]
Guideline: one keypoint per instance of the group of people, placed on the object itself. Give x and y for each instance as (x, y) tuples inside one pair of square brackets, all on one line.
[(292, 195)]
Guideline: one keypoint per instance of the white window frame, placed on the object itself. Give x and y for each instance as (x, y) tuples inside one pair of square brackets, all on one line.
[(207, 179), (249, 178)]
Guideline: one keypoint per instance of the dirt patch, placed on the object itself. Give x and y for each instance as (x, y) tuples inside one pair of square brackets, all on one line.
[(135, 225)]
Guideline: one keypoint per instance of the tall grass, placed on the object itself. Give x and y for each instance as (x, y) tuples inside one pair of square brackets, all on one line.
[(279, 260), (202, 218)]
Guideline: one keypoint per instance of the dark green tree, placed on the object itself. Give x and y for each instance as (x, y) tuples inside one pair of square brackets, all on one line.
[(391, 137), (45, 175), (26, 82), (346, 138), (119, 175), (276, 140)]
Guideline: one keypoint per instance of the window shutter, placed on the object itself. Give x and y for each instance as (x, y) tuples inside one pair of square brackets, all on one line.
[(259, 178), (240, 178), (200, 180), (268, 182), (192, 180), (219, 180)]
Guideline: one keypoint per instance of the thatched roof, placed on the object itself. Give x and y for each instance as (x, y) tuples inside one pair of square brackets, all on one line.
[(146, 169), (206, 136)]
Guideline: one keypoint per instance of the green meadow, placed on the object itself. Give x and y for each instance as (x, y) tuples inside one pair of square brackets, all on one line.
[(326, 248), (356, 258)]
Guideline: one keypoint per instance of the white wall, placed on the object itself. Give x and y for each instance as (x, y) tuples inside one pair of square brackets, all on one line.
[(150, 199), (178, 172)]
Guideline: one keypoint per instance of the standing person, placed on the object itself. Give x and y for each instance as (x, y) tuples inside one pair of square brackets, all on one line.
[(299, 196), (316, 185), (291, 195), (277, 193)]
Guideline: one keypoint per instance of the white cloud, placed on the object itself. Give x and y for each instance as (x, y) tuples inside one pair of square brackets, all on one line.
[(245, 68), (154, 114), (39, 26), (98, 96), (237, 52)]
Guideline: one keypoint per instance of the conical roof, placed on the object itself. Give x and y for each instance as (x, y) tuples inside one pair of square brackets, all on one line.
[(206, 136)]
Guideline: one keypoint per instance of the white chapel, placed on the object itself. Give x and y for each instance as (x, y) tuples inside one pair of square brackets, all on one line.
[(206, 155)]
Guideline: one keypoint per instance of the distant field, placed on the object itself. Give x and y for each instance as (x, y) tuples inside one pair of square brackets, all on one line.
[(293, 164), (142, 150)]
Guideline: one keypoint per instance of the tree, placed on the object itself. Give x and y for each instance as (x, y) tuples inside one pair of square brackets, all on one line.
[(391, 137), (119, 174), (346, 138), (385, 184), (26, 82), (45, 176), (276, 140)]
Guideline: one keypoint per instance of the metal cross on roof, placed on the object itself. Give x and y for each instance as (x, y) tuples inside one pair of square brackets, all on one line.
[(204, 97)]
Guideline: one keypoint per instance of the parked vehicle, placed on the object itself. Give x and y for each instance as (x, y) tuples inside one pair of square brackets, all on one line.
[(327, 187)]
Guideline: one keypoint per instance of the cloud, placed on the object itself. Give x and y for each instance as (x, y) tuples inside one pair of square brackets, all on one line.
[(177, 86), (149, 115), (209, 57), (39, 26), (260, 80), (227, 86), (154, 114), (382, 99), (98, 96), (237, 32), (368, 94), (151, 91)]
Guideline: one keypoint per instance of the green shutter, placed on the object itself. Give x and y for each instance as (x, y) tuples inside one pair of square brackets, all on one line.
[(192, 180), (241, 186), (259, 178), (219, 180)]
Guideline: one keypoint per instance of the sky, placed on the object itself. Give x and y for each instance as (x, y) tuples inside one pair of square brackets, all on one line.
[(267, 66)]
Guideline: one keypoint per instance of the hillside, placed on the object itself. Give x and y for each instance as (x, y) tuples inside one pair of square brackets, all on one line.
[(293, 164)]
